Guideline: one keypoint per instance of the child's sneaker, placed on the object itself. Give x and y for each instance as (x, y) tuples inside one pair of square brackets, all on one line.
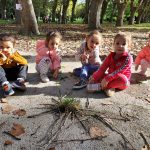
[(44, 78), (93, 87), (7, 89), (19, 84), (79, 85), (110, 92)]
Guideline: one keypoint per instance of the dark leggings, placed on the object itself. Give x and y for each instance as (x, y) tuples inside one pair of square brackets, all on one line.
[(11, 74)]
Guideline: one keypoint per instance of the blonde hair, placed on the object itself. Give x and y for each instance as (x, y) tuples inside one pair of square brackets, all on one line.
[(125, 35), (52, 34)]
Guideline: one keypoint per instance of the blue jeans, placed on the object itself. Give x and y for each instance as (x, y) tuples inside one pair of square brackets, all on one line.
[(13, 73), (85, 71)]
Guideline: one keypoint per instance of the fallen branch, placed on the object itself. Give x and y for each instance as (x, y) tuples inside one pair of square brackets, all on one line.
[(116, 130)]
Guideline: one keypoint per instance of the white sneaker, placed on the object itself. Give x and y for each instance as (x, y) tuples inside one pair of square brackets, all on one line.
[(44, 78), (110, 92)]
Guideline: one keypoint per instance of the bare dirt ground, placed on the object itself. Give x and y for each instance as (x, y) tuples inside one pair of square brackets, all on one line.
[(121, 122)]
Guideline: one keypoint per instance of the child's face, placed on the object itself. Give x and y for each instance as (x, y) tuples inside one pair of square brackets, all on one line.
[(93, 41), (53, 43), (120, 45), (6, 47)]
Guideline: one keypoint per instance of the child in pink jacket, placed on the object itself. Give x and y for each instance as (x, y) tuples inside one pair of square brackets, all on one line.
[(143, 59), (47, 58), (118, 67)]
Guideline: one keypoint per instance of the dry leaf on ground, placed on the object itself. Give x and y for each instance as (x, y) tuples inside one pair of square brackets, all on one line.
[(6, 109), (4, 100), (97, 132), (53, 148), (7, 142), (17, 130), (19, 112)]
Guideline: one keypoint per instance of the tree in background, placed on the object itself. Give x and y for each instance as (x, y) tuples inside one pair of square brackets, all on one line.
[(94, 14), (73, 10), (29, 21), (121, 6), (64, 11), (55, 2), (3, 9), (142, 9), (134, 5), (87, 6), (104, 8)]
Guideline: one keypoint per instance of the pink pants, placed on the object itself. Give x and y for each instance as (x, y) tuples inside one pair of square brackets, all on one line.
[(122, 82), (144, 65)]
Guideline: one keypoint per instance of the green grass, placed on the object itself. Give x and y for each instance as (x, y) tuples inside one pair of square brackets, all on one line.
[(6, 22)]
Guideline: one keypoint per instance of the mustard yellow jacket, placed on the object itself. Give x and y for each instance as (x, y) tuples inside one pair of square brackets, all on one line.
[(14, 60)]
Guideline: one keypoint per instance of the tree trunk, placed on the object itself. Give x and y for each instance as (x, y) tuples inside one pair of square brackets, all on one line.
[(28, 18), (121, 9), (3, 9), (141, 10), (94, 14), (87, 5), (64, 11), (17, 14), (113, 11), (73, 10), (133, 9), (54, 10), (104, 7)]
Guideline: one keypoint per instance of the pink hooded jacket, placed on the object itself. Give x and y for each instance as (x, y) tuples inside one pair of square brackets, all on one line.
[(43, 51)]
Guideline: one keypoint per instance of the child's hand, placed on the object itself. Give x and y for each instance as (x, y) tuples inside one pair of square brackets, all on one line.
[(103, 84), (55, 74), (136, 67), (91, 80), (83, 57), (3, 56)]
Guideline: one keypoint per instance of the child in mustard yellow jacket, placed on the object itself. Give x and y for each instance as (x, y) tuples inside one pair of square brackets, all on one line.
[(12, 66)]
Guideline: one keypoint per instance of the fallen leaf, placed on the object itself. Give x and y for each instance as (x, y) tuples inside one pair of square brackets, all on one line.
[(7, 142), (145, 147), (53, 148), (4, 100), (17, 130), (19, 112), (6, 109), (97, 132)]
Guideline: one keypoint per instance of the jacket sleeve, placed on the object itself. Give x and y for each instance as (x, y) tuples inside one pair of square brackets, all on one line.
[(97, 76), (126, 66), (140, 56), (80, 51), (56, 61), (96, 56), (17, 58)]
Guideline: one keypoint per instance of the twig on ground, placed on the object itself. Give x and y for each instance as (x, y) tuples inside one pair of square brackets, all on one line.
[(35, 130), (145, 141), (116, 130)]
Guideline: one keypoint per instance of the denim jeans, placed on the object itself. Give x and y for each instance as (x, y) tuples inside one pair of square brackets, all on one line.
[(85, 71), (13, 73)]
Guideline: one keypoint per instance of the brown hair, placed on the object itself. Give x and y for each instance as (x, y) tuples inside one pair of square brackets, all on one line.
[(52, 34), (95, 32), (8, 37), (124, 35)]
